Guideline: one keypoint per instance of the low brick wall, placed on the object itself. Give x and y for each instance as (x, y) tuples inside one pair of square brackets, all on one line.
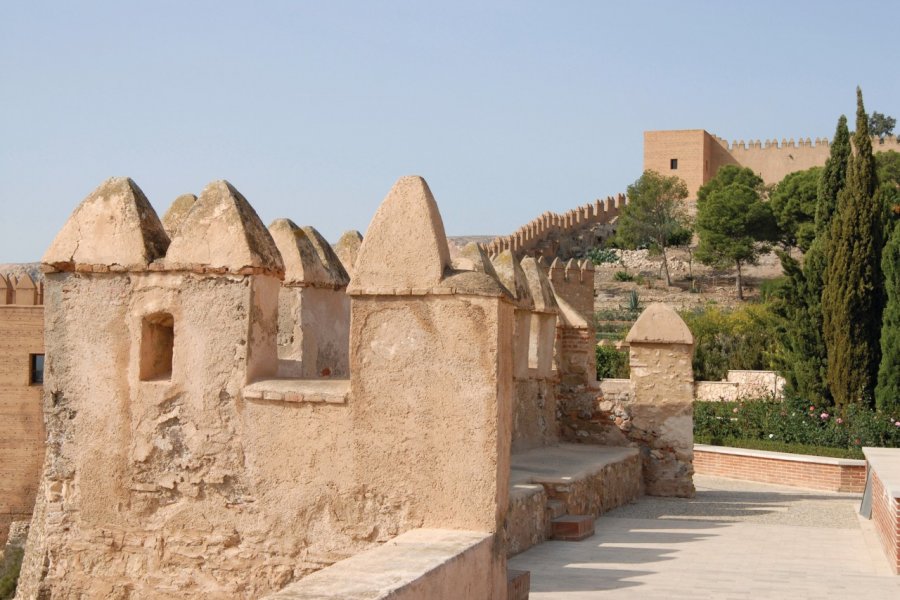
[(814, 472), (885, 466)]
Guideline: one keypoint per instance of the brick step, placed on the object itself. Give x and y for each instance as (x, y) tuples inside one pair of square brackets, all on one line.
[(572, 528), (518, 584)]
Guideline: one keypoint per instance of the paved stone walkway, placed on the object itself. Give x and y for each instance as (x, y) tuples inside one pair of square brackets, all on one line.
[(735, 540)]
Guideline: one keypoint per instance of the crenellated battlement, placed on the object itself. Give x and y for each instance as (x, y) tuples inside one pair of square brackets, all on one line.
[(888, 142), (529, 236), (116, 230), (20, 290)]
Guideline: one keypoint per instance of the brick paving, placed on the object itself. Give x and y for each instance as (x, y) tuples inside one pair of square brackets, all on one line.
[(735, 540)]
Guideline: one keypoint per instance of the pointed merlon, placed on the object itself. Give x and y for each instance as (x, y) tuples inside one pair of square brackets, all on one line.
[(308, 258), (538, 285), (327, 256), (223, 233), (473, 258), (177, 212), (511, 275), (659, 324), (4, 290), (347, 249), (25, 291), (114, 225), (405, 246)]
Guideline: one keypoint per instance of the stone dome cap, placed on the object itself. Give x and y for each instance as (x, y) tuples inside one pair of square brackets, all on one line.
[(660, 324)]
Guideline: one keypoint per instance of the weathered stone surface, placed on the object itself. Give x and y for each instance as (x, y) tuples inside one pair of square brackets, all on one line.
[(662, 411), (472, 257), (405, 246), (660, 324), (420, 564), (511, 275), (177, 212), (114, 225), (308, 259), (347, 249), (223, 231), (538, 285)]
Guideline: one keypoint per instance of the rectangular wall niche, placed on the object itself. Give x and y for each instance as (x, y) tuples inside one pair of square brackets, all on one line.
[(36, 369), (157, 343)]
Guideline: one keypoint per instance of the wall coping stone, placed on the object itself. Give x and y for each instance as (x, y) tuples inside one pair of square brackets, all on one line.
[(327, 391), (382, 571), (785, 456), (886, 463)]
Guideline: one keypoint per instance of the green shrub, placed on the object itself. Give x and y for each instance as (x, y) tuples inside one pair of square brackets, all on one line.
[(612, 363), (634, 302), (623, 276), (793, 421), (731, 339), (9, 574), (600, 256)]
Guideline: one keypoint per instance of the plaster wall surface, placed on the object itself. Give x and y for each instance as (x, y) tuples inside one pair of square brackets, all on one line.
[(455, 412), (313, 332)]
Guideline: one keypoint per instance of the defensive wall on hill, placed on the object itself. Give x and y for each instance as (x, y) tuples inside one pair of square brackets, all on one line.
[(695, 155), (553, 234)]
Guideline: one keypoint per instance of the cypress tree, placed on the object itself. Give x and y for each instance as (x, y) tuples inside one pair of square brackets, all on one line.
[(834, 176), (887, 393), (851, 297), (805, 353)]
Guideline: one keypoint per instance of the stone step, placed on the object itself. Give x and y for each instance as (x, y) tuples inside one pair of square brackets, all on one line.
[(518, 584), (550, 482), (572, 528), (555, 509)]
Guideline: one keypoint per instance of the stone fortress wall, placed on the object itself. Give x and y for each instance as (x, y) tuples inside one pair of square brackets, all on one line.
[(21, 421), (251, 406), (550, 235), (695, 155)]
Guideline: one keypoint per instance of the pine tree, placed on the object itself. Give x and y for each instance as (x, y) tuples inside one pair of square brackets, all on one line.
[(852, 294), (887, 393), (805, 361)]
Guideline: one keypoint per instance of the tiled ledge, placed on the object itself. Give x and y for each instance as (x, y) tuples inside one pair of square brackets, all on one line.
[(326, 391)]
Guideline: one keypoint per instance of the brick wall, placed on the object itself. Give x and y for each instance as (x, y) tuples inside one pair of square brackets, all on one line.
[(21, 418), (886, 516), (820, 473)]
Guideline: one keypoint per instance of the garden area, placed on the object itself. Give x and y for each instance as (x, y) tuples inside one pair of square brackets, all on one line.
[(830, 324)]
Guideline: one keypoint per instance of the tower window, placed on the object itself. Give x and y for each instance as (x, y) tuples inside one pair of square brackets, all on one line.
[(673, 163), (36, 369), (157, 343)]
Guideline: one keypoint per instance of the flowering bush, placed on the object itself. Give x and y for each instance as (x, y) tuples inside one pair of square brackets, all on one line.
[(795, 422)]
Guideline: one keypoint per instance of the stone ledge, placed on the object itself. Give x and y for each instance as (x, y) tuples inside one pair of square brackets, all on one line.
[(806, 458), (404, 567), (319, 391), (886, 463)]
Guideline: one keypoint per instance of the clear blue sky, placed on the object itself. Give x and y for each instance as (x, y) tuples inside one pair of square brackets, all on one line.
[(313, 109)]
